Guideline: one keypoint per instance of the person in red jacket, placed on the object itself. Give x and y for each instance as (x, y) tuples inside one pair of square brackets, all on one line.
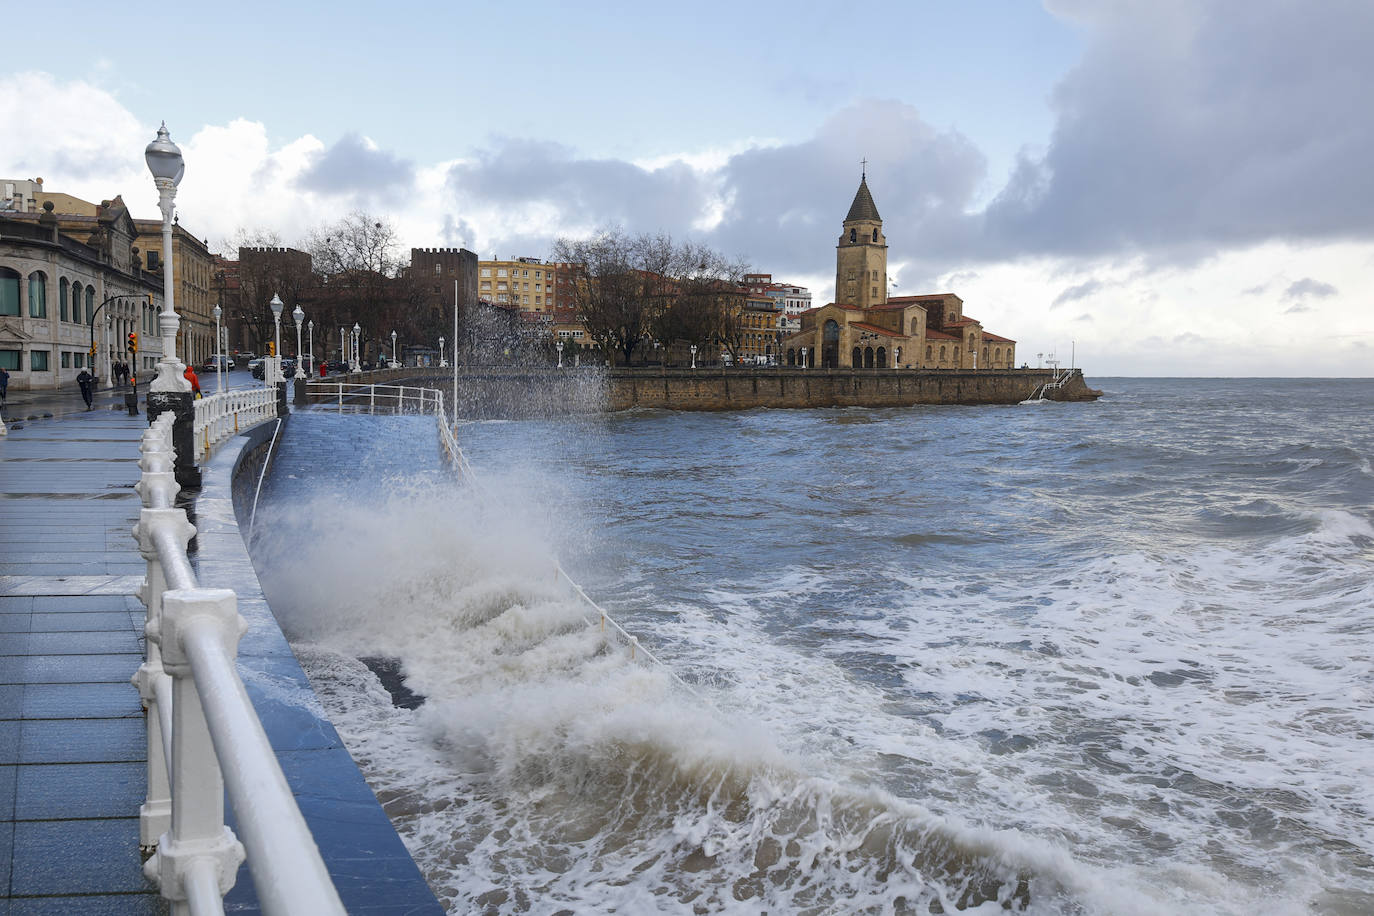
[(190, 376), (324, 368)]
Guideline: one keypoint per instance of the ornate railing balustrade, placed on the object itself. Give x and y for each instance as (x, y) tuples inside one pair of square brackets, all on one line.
[(220, 416), (203, 733)]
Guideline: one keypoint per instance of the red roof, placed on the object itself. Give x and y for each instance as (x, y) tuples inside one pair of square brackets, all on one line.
[(997, 338), (932, 334), (863, 326)]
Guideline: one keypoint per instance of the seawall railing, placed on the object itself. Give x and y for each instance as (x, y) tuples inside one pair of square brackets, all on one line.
[(221, 416), (203, 733)]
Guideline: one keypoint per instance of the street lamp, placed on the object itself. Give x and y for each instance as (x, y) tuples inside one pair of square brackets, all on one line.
[(277, 305), (165, 162), (356, 357), (803, 357), (342, 331), (443, 363), (393, 347), (298, 313), (694, 355), (559, 347), (219, 354), (310, 330)]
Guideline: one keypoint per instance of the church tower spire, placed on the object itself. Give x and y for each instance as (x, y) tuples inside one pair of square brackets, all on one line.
[(861, 255)]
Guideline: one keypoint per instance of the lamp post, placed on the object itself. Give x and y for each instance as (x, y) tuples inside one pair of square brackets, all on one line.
[(275, 375), (443, 363), (170, 391), (342, 358), (694, 355), (356, 357), (310, 329), (803, 357), (298, 313), (165, 162), (109, 357), (219, 354), (393, 347), (559, 347)]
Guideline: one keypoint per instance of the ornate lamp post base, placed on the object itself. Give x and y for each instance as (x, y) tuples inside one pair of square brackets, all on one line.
[(180, 404)]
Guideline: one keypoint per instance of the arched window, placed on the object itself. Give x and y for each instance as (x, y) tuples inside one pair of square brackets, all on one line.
[(76, 303), (853, 236), (868, 357), (882, 358), (875, 235), (997, 354), (9, 292), (927, 353), (942, 353), (857, 360), (90, 302), (62, 297), (38, 295), (791, 356)]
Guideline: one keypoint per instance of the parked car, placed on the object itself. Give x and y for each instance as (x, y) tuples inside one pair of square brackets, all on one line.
[(213, 364), (337, 365), (245, 356), (255, 366)]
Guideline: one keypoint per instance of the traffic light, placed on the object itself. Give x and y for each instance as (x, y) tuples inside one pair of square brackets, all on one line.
[(92, 351), (133, 341), (271, 348)]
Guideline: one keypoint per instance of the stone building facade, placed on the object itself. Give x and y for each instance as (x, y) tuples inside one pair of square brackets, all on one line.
[(58, 290), (866, 329)]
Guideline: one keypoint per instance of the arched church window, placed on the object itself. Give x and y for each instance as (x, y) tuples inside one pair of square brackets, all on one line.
[(868, 357), (882, 358), (875, 235), (927, 354), (853, 236), (942, 354), (857, 358)]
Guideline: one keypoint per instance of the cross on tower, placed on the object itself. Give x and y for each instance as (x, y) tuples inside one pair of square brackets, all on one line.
[(864, 164)]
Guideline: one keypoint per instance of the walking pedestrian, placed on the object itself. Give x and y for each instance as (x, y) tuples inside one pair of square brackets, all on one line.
[(190, 376), (87, 383), (4, 382)]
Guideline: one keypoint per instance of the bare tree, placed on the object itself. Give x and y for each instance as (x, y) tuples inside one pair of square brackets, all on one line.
[(628, 289), (358, 262)]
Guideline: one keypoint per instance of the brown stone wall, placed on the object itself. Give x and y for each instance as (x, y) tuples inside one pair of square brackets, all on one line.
[(532, 392)]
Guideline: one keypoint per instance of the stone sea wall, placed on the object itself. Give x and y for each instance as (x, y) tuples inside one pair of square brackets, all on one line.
[(531, 392)]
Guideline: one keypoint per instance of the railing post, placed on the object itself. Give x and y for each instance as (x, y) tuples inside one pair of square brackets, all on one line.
[(158, 488), (198, 843)]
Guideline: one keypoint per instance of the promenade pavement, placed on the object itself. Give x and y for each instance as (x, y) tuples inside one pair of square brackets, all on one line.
[(72, 745)]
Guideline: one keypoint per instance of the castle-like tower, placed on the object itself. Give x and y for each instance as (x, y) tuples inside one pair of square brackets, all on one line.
[(861, 255)]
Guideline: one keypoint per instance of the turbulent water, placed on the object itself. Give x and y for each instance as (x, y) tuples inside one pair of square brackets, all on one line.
[(1059, 658)]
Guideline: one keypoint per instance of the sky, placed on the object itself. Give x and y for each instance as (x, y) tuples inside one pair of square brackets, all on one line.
[(1157, 187)]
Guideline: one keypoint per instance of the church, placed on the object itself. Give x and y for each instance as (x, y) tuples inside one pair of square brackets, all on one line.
[(864, 328)]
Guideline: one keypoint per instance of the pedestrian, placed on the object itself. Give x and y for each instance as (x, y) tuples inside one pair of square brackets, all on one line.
[(190, 376), (87, 383), (324, 368), (4, 382), (117, 370)]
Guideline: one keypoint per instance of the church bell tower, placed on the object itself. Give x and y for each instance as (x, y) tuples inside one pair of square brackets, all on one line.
[(861, 255)]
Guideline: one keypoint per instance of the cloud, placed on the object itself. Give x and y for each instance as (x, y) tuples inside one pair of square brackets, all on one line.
[(1074, 293), (356, 165), (1307, 287), (1190, 126), (1297, 309)]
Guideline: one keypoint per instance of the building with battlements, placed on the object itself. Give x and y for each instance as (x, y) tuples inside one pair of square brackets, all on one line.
[(864, 328)]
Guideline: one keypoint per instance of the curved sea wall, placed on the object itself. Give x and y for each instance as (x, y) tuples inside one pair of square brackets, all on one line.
[(497, 391)]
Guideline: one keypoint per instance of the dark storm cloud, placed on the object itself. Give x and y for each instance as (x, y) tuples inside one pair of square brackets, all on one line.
[(783, 205), (1191, 126), (350, 166), (1308, 288), (1073, 293), (588, 191)]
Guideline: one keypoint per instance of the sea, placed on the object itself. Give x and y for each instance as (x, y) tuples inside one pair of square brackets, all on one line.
[(1053, 658)]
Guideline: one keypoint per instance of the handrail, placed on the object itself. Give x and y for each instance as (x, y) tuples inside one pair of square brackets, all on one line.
[(222, 415), (203, 733)]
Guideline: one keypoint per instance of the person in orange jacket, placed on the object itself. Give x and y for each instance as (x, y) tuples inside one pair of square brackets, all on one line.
[(190, 376)]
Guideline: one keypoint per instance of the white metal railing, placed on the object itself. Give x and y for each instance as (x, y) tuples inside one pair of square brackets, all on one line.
[(203, 734), (221, 416), (1058, 379)]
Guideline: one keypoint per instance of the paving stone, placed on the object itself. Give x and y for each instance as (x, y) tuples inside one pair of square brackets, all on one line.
[(76, 857), (82, 740), (81, 701), (79, 790), (144, 904)]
